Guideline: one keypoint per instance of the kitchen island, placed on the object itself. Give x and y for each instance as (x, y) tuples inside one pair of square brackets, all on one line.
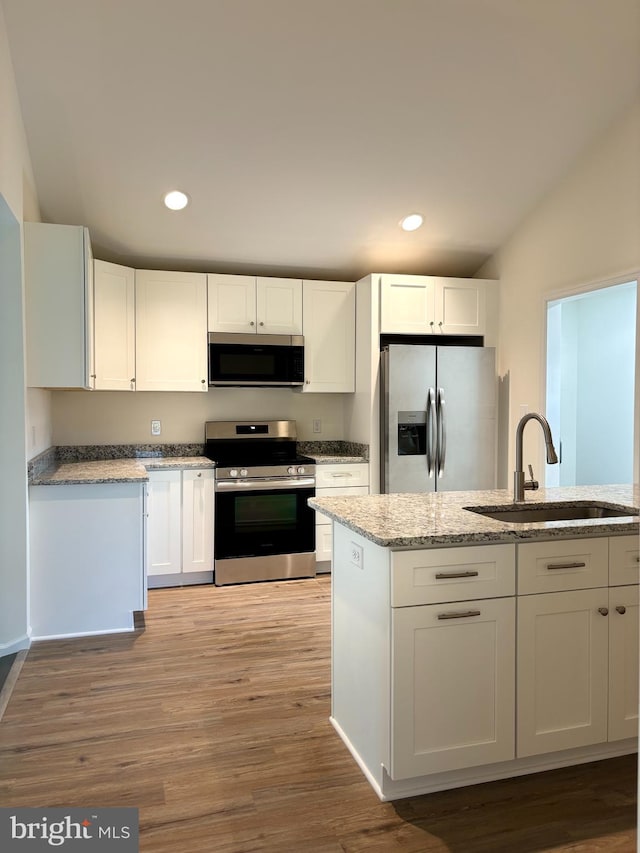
[(466, 648)]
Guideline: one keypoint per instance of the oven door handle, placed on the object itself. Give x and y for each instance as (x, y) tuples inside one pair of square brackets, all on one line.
[(264, 485)]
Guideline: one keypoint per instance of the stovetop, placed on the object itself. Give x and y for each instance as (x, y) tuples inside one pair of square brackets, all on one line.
[(253, 443)]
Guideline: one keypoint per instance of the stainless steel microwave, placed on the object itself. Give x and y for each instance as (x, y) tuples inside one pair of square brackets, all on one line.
[(256, 360)]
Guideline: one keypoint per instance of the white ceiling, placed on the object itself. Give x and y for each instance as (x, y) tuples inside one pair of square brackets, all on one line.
[(303, 130)]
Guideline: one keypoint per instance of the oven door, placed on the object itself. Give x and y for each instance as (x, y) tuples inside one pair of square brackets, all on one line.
[(259, 519)]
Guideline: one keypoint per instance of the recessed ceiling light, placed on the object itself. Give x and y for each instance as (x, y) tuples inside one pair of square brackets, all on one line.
[(176, 200), (411, 222)]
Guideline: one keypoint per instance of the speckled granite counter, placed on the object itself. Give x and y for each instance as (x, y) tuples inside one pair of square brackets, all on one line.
[(423, 521), (329, 459), (115, 470)]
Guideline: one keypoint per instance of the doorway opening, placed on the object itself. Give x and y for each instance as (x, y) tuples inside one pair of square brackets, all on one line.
[(590, 396)]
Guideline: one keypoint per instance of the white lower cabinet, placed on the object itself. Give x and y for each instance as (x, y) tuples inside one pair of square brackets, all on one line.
[(562, 670), (333, 481), (577, 648), (623, 662), (180, 548), (453, 689)]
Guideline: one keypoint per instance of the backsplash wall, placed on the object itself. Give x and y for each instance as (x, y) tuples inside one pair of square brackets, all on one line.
[(119, 417)]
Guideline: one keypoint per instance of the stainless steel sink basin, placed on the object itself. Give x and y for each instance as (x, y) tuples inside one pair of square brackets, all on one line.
[(519, 514)]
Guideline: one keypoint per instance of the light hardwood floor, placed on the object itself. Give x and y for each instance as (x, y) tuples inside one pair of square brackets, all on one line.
[(213, 720)]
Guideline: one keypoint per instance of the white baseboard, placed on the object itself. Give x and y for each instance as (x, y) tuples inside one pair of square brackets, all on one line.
[(15, 646)]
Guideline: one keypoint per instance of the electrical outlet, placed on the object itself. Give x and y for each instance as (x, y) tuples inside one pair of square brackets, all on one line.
[(356, 555), (156, 427), (524, 408), (317, 425)]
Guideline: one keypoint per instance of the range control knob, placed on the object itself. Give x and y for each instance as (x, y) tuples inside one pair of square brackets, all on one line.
[(291, 469), (243, 472), (233, 472), (301, 470)]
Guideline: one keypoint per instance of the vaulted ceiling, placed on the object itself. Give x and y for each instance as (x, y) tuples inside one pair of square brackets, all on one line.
[(303, 130)]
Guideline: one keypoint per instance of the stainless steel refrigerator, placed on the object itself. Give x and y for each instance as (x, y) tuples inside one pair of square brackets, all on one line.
[(438, 418)]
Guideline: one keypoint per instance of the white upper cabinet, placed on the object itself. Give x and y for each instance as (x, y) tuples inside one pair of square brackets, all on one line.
[(171, 331), (231, 303), (329, 326), (279, 306), (407, 304), (244, 303), (58, 268), (422, 305), (114, 327)]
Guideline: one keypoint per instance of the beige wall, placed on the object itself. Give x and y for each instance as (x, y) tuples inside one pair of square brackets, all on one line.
[(587, 230), (118, 417)]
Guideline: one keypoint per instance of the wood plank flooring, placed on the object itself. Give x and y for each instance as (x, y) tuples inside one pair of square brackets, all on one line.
[(213, 720)]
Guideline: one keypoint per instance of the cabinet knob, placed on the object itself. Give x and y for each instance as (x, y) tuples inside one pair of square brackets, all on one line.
[(133, 380), (440, 323), (621, 609), (251, 323), (604, 611), (199, 473), (261, 323), (93, 375), (203, 381), (307, 382)]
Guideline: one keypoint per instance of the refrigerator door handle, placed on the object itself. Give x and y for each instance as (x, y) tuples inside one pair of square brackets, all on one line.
[(441, 451), (432, 436)]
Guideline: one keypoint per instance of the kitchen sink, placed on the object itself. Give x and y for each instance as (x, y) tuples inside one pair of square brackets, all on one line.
[(520, 514)]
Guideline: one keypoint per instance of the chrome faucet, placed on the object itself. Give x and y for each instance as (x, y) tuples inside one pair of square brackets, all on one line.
[(519, 484)]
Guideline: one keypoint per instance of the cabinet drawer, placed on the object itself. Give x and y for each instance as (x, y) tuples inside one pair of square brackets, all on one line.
[(452, 574), (563, 565), (624, 560), (349, 474)]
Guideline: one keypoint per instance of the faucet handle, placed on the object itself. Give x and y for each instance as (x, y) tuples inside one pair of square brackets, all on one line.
[(532, 484)]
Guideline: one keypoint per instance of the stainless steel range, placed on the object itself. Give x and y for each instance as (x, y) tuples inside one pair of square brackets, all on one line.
[(264, 529)]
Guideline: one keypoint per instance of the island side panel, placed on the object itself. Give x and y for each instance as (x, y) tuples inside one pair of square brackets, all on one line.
[(360, 648), (87, 558)]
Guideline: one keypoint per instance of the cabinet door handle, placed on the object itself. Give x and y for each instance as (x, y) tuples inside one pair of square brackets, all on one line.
[(604, 611), (446, 575), (621, 609), (566, 566), (459, 614)]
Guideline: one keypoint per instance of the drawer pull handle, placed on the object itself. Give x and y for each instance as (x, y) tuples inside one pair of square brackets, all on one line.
[(604, 611), (459, 614), (447, 575), (621, 609), (343, 474), (566, 565)]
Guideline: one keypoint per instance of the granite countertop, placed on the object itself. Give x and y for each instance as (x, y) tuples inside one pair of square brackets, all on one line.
[(427, 520), (329, 459), (115, 470)]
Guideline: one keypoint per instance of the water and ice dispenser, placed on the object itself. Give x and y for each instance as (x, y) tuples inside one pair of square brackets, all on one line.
[(412, 433)]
